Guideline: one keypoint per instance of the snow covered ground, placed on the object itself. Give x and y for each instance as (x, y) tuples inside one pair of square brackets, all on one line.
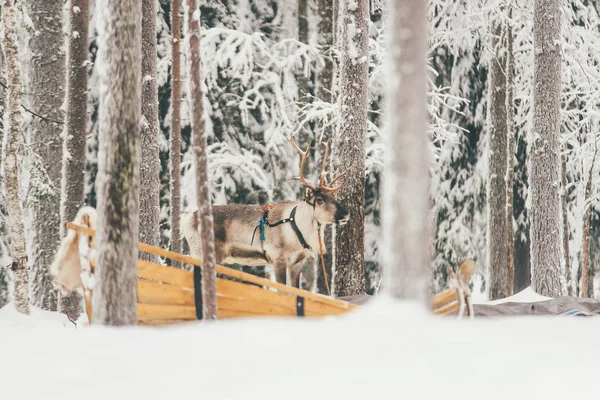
[(385, 351)]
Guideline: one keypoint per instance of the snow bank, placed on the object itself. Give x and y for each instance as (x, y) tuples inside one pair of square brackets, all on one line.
[(385, 351), (527, 295)]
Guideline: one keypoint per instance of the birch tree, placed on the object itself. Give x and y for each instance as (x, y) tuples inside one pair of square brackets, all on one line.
[(406, 181), (175, 138), (350, 147), (565, 222), (544, 154), (74, 142), (150, 161), (497, 167), (203, 198), (119, 43), (44, 78), (510, 154), (585, 242), (12, 146)]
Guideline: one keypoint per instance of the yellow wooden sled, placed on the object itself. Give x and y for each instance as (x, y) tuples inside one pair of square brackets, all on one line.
[(168, 295)]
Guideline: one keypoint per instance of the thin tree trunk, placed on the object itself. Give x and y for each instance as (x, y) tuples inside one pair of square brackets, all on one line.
[(510, 137), (12, 146), (73, 165), (565, 224), (544, 155), (350, 148), (497, 166), (4, 278), (44, 80), (324, 93), (175, 138), (203, 198), (585, 242), (150, 162), (119, 43), (406, 229)]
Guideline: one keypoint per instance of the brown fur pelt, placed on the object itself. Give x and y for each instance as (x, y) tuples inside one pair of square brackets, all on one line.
[(66, 267)]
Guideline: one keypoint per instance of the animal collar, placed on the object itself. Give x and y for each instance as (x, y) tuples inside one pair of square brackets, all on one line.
[(291, 219)]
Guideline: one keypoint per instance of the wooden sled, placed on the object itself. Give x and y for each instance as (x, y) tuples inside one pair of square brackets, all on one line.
[(168, 295), (457, 299)]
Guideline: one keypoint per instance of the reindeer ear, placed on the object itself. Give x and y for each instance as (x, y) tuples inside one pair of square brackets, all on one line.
[(308, 194)]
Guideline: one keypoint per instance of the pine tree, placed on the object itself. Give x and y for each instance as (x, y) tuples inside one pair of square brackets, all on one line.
[(44, 79), (544, 154), (405, 221), (510, 154), (74, 143), (12, 146), (203, 197), (175, 137), (349, 148), (150, 161), (115, 292), (497, 167)]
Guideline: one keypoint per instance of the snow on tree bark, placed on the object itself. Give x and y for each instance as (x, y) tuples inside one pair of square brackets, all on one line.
[(203, 198), (324, 93), (175, 138), (405, 222), (497, 249), (119, 44), (74, 142), (350, 147), (150, 161), (544, 153), (565, 223), (11, 148), (510, 155), (44, 80), (4, 277), (585, 242)]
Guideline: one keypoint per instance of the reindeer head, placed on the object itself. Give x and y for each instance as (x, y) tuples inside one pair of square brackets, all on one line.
[(327, 210)]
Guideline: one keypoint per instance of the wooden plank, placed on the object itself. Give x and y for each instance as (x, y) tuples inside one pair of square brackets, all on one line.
[(165, 322), (231, 272), (253, 306), (163, 311), (227, 314), (160, 293), (440, 300), (161, 273), (447, 309)]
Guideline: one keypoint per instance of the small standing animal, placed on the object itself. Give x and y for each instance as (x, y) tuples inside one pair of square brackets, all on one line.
[(285, 235)]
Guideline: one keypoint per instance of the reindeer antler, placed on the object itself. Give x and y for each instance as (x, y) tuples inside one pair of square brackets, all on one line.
[(323, 183), (304, 155)]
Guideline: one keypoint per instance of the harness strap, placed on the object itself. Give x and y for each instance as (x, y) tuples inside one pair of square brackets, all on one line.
[(198, 291), (297, 230), (300, 306), (291, 219)]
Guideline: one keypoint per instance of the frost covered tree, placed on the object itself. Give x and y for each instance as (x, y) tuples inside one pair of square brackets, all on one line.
[(545, 151), (349, 147), (150, 159), (74, 142), (44, 93), (175, 136), (203, 197), (406, 180), (12, 147), (497, 166), (510, 153), (119, 44)]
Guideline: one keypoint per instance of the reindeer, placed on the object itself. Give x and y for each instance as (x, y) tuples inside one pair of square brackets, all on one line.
[(289, 232)]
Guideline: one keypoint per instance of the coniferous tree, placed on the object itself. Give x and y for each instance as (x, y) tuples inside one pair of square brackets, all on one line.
[(74, 142), (115, 291)]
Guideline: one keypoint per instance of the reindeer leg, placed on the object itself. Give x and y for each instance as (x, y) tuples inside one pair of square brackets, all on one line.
[(240, 252), (295, 275), (280, 268)]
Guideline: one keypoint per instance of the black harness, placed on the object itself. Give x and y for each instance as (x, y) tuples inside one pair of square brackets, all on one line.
[(264, 221)]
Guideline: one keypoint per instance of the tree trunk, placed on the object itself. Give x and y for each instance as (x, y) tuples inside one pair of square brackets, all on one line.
[(406, 229), (4, 277), (203, 198), (324, 93), (545, 214), (523, 233), (585, 242), (44, 93), (150, 162), (73, 165), (175, 138), (565, 224), (350, 148), (119, 43), (11, 149), (510, 155), (497, 249)]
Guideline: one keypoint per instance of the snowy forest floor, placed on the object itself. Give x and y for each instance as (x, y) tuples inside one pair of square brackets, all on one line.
[(387, 350)]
